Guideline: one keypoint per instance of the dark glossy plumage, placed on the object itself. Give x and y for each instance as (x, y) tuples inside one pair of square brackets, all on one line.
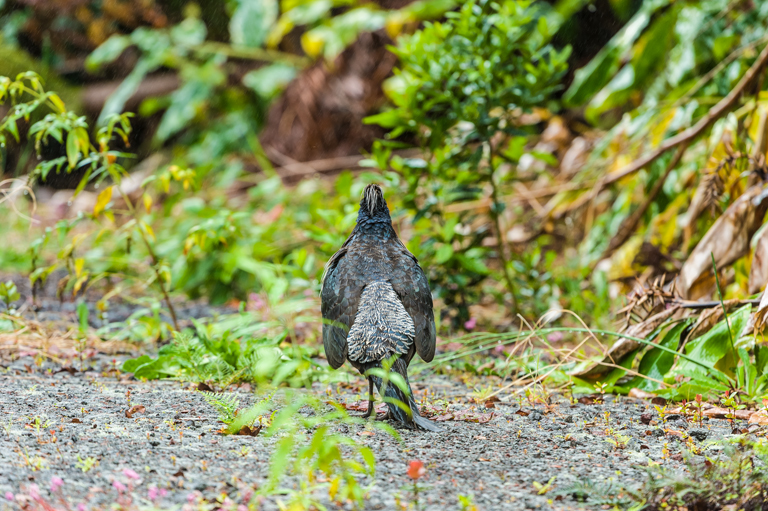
[(376, 301)]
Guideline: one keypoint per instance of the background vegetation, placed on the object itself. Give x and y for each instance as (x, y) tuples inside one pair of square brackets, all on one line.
[(600, 164)]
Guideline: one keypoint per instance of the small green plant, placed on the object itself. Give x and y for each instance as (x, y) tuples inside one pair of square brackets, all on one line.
[(467, 503), (616, 439), (8, 293), (731, 401), (223, 358), (736, 479), (227, 405), (86, 464)]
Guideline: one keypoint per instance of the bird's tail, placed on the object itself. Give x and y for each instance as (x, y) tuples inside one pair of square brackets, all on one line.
[(402, 407)]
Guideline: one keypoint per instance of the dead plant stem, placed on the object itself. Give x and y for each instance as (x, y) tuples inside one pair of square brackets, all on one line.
[(499, 234)]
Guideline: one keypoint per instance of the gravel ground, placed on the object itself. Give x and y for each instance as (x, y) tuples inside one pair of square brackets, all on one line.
[(174, 445)]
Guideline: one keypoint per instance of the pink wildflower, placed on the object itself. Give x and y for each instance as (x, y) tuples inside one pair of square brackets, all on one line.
[(127, 472), (8, 495), (119, 486), (56, 483), (471, 324), (81, 507)]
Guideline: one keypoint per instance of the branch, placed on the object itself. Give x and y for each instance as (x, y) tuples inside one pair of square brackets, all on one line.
[(686, 136)]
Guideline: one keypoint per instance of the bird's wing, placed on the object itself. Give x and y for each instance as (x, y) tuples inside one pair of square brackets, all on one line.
[(411, 285), (339, 296)]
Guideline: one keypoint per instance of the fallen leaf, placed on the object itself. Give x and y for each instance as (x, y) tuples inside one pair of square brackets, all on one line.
[(76, 421), (760, 417), (249, 431), (756, 320), (134, 410), (720, 413), (203, 387), (758, 270), (522, 413), (640, 394), (727, 239), (362, 406), (489, 404), (366, 433), (659, 401), (646, 418)]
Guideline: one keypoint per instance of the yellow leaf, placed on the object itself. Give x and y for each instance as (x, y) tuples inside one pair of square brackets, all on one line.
[(102, 200), (312, 43), (147, 202), (659, 128), (394, 24), (334, 488), (148, 229), (79, 283), (79, 263), (57, 102)]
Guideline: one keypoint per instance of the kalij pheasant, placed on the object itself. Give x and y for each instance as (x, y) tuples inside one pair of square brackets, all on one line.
[(377, 306)]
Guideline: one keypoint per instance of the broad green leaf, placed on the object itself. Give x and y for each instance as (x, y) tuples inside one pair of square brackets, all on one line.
[(711, 347), (268, 81), (444, 253), (73, 149), (251, 22), (656, 363), (600, 70), (107, 52)]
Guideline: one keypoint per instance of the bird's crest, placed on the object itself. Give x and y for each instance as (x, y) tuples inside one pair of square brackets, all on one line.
[(373, 199)]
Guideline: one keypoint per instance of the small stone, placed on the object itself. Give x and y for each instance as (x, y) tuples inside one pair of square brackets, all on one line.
[(535, 415), (568, 419), (699, 434)]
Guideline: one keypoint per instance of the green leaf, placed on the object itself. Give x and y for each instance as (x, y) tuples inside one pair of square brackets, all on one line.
[(711, 347), (251, 22), (443, 254), (268, 81), (73, 149), (656, 363), (116, 101), (594, 76), (107, 52)]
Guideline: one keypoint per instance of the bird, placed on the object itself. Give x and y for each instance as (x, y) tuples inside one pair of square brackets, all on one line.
[(377, 307)]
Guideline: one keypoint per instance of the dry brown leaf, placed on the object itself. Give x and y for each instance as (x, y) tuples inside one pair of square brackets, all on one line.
[(759, 417), (249, 431), (756, 321), (134, 410), (721, 413), (728, 239), (640, 394), (758, 272)]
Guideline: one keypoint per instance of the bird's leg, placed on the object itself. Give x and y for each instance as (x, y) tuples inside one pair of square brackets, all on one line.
[(370, 398)]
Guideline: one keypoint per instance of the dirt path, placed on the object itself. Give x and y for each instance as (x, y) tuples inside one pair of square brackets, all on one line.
[(57, 423)]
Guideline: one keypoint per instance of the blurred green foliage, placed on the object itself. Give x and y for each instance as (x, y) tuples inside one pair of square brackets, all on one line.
[(462, 87)]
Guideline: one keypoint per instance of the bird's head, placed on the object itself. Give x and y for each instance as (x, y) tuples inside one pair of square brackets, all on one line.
[(372, 205)]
